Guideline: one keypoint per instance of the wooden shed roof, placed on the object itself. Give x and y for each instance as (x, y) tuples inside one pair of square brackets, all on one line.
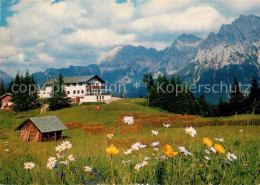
[(46, 124)]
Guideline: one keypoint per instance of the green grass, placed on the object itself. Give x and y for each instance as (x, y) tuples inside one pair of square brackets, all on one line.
[(186, 169)]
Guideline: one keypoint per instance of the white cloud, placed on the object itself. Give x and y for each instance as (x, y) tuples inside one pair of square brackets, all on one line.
[(201, 18), (156, 7), (97, 38)]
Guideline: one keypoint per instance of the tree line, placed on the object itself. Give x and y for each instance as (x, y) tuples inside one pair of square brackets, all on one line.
[(24, 93), (183, 101)]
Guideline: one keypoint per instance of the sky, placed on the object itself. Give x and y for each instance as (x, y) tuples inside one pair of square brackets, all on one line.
[(41, 34)]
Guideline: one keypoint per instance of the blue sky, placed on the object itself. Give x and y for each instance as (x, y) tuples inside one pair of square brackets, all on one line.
[(41, 34)]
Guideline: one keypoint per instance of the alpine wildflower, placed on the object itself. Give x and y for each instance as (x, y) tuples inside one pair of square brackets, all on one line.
[(29, 165), (206, 141), (219, 148), (110, 136), (71, 157), (155, 132), (112, 150), (87, 169), (129, 120), (191, 131)]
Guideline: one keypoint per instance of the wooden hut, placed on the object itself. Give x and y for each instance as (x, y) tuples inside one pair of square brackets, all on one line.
[(48, 128), (6, 101)]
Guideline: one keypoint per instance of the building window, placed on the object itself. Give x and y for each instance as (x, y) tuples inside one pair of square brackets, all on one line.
[(82, 91), (74, 84), (74, 92), (68, 92), (78, 92), (97, 84), (92, 84), (97, 97), (103, 97)]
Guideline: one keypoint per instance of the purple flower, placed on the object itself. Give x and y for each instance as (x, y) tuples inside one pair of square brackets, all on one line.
[(95, 170), (89, 158), (98, 180), (74, 171), (91, 173), (100, 174), (58, 173), (56, 166)]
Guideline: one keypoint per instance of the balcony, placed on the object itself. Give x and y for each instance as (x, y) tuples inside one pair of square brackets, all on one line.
[(95, 87)]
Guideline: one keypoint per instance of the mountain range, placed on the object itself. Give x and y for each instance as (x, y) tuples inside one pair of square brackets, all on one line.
[(234, 51)]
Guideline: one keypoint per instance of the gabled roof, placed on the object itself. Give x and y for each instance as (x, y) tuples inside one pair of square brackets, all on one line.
[(75, 79), (6, 94), (45, 124)]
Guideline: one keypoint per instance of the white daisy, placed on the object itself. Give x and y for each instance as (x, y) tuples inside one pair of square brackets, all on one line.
[(166, 125), (207, 158), (156, 149), (129, 151), (231, 157), (212, 149), (241, 130), (144, 163), (182, 149), (52, 160), (60, 148), (87, 169), (29, 165), (71, 157), (66, 144), (147, 158), (7, 150), (191, 131), (129, 120), (142, 146), (50, 165), (110, 136), (137, 167), (155, 144), (155, 132), (136, 146), (186, 153)]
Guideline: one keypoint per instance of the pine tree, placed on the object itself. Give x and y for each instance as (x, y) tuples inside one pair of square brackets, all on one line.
[(148, 83), (59, 97), (17, 96), (2, 88), (172, 95), (223, 108), (236, 98), (254, 97)]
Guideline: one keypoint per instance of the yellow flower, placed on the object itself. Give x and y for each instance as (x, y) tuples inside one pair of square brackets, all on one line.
[(171, 153), (112, 150), (207, 142), (219, 148), (167, 149)]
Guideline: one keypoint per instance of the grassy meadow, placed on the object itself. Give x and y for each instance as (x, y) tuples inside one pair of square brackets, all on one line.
[(240, 134)]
